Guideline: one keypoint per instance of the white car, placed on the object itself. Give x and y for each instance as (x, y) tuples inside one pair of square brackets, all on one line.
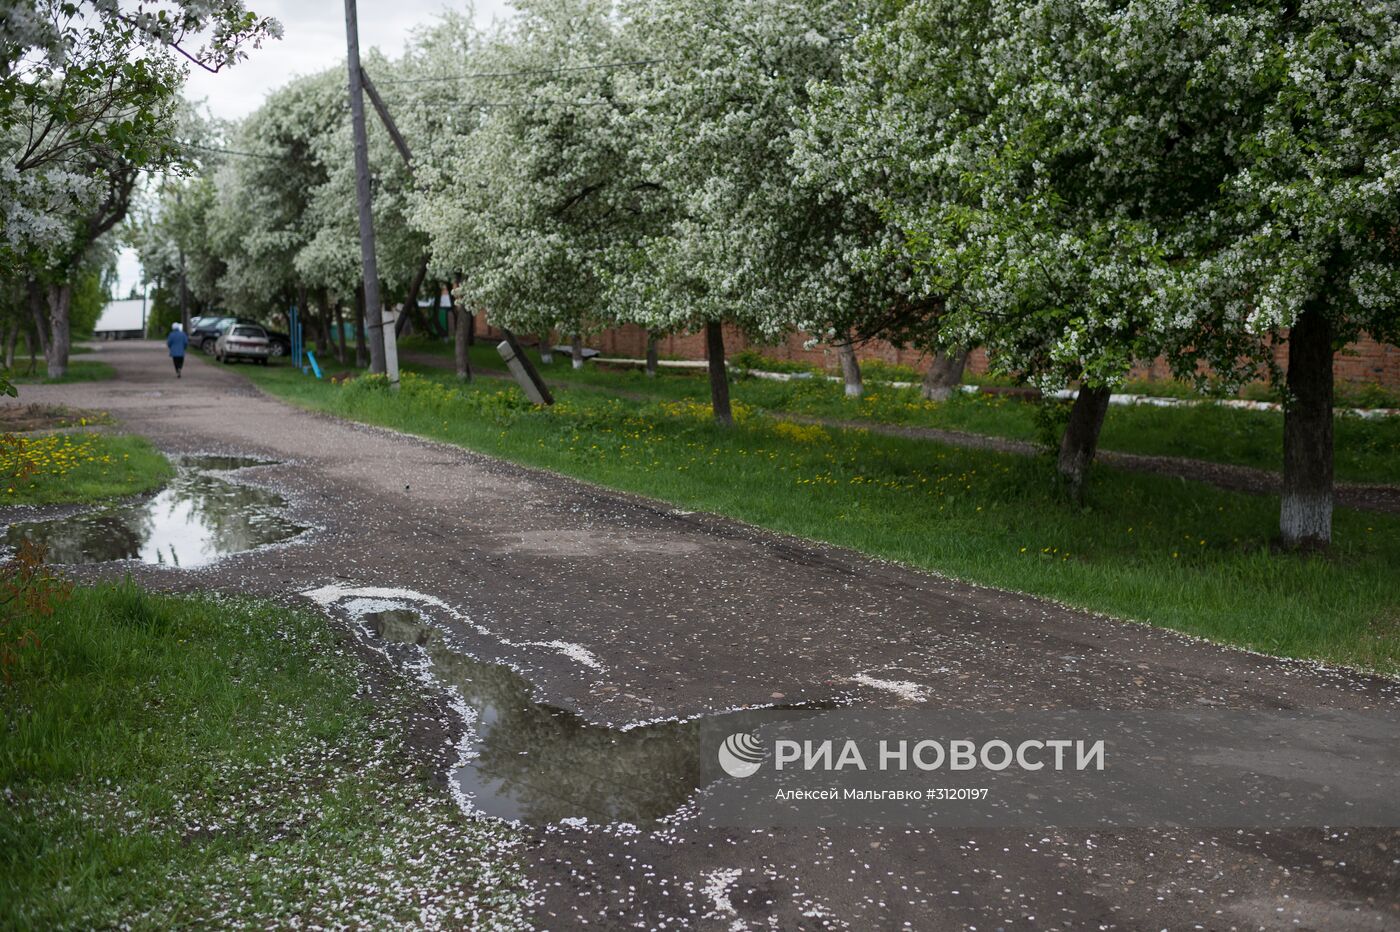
[(243, 341)]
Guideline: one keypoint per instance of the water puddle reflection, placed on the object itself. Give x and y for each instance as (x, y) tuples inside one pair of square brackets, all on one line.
[(194, 520), (541, 764)]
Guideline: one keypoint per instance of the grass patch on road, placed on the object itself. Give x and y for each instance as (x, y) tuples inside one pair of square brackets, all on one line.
[(79, 370), (1182, 555), (1367, 450), (186, 761), (77, 467)]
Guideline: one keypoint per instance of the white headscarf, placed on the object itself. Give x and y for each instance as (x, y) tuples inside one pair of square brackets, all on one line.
[(177, 326)]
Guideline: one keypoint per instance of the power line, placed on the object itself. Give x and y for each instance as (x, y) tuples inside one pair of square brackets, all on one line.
[(544, 102), (484, 104), (608, 66), (251, 155)]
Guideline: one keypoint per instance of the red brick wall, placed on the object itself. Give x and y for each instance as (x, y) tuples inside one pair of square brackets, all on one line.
[(1363, 361)]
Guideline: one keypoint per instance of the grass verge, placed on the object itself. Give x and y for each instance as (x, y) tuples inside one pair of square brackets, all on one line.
[(1367, 450), (77, 467), (1182, 555), (79, 370), (186, 761)]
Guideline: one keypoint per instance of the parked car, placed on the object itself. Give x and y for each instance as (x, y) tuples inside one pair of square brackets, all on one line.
[(204, 333), (281, 344), (243, 341), (207, 333)]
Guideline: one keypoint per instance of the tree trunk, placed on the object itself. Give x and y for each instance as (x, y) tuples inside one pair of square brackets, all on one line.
[(470, 320), (576, 351), (651, 355), (546, 349), (31, 343), (460, 345), (1305, 518), (435, 326), (1081, 438), (362, 351), (719, 376), (38, 308), (339, 342), (944, 375), (850, 368), (11, 338), (60, 300), (324, 318), (410, 301)]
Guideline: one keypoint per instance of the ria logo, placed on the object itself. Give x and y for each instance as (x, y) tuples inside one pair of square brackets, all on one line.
[(741, 754)]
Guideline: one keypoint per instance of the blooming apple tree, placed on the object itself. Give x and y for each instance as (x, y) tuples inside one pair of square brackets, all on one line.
[(749, 238), (528, 195), (88, 102)]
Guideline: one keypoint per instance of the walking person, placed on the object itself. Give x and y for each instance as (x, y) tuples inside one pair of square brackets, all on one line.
[(177, 341)]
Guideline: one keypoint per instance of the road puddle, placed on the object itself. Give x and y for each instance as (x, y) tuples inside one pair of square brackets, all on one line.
[(194, 520), (541, 764)]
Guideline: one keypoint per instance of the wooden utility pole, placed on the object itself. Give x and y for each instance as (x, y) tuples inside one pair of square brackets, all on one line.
[(410, 303), (184, 296), (184, 290), (376, 333)]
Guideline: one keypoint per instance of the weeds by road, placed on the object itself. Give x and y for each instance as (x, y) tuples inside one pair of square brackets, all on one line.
[(184, 761), (1178, 554), (79, 370), (1367, 450), (77, 467)]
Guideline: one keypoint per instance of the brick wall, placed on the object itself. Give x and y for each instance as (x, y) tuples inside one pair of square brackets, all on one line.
[(1363, 361)]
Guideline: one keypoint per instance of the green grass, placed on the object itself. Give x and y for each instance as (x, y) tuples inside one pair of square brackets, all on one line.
[(185, 761), (753, 359), (1182, 555), (79, 370), (77, 467), (1366, 450)]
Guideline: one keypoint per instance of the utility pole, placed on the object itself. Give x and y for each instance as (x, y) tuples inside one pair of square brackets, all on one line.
[(184, 291), (378, 336), (184, 296)]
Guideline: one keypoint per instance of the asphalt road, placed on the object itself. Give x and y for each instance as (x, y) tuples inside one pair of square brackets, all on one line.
[(626, 610)]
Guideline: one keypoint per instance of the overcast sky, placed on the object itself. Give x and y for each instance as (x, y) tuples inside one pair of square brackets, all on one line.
[(313, 40)]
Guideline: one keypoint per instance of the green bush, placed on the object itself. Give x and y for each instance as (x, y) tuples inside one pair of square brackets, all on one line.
[(753, 359), (877, 370)]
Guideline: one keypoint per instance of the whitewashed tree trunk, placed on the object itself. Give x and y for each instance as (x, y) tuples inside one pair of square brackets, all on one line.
[(1305, 514), (850, 368), (576, 351), (944, 375)]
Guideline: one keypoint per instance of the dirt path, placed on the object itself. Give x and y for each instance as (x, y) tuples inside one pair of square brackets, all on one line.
[(1362, 496), (627, 610)]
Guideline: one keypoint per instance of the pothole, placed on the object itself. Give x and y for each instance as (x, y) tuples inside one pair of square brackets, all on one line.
[(196, 519), (536, 763)]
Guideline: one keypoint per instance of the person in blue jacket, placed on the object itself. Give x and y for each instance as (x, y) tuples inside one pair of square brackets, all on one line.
[(177, 342)]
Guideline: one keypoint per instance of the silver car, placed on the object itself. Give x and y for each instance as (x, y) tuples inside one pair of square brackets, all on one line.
[(243, 341)]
